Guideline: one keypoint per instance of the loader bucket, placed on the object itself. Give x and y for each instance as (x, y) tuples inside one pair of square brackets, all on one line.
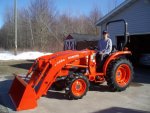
[(22, 94)]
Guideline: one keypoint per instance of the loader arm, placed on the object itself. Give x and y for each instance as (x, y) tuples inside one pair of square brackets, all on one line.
[(55, 65), (40, 77)]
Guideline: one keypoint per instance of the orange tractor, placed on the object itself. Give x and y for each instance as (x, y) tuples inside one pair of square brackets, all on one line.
[(76, 69)]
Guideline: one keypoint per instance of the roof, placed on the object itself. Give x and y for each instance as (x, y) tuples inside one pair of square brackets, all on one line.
[(118, 9), (83, 37), (69, 37)]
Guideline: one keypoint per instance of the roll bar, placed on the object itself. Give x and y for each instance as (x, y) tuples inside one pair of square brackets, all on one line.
[(125, 29)]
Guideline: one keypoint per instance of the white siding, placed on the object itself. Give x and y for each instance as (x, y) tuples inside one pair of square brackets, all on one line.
[(138, 17)]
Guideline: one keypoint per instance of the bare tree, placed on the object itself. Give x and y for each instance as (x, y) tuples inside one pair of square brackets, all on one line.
[(42, 17), (40, 27), (30, 24), (94, 16), (8, 30)]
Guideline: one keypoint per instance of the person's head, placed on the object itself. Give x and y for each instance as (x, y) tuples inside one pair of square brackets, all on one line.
[(105, 34)]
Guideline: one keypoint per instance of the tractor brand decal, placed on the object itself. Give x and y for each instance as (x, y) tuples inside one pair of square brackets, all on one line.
[(74, 56), (60, 61)]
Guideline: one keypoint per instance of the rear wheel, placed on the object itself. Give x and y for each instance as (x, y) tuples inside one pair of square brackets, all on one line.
[(119, 74), (77, 86)]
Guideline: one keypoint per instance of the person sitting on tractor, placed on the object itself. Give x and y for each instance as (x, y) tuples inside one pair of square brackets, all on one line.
[(104, 47)]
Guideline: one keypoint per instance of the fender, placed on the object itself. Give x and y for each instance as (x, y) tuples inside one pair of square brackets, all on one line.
[(114, 56)]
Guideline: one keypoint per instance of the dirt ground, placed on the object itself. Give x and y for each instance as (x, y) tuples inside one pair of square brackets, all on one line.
[(136, 99)]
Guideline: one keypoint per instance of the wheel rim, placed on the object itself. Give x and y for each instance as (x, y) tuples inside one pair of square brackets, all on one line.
[(78, 87), (123, 74)]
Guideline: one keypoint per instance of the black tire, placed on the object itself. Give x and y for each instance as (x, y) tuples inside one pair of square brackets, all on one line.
[(59, 85), (119, 74), (71, 80)]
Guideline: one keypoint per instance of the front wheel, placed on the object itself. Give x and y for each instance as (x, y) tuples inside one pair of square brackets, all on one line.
[(119, 74), (77, 86)]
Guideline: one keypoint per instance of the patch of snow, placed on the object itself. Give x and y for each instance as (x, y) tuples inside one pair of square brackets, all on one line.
[(21, 56)]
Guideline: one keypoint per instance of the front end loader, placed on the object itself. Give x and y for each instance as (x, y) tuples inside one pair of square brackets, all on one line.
[(76, 69)]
